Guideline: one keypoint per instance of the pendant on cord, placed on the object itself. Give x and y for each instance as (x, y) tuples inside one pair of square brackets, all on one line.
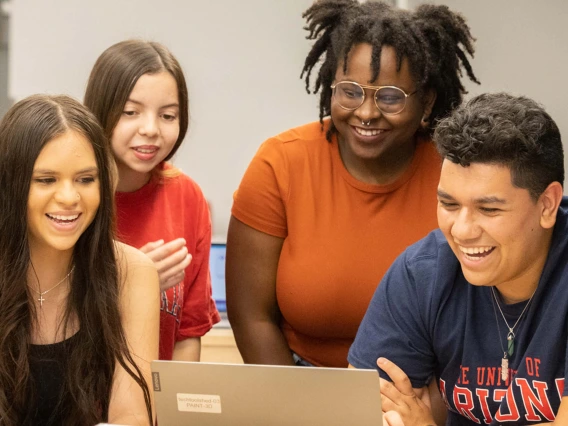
[(510, 343), (505, 367)]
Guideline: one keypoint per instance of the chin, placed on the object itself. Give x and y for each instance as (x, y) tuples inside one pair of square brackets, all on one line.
[(477, 280), (64, 244), (366, 154)]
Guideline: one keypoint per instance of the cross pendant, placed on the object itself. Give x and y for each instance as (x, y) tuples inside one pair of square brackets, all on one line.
[(40, 300)]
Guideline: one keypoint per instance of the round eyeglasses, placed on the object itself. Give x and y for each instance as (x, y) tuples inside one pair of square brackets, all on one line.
[(390, 100)]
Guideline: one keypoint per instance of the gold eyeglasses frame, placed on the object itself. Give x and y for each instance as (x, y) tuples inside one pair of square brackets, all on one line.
[(376, 89)]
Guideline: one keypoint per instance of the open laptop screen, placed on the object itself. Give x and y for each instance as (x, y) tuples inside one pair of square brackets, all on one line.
[(217, 266)]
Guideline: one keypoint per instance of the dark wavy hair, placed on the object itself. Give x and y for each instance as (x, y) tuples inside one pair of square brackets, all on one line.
[(115, 74), (514, 131), (94, 294), (433, 39)]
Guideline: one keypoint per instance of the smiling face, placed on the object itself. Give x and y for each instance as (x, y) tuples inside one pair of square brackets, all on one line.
[(499, 234), (147, 129), (388, 139), (64, 193)]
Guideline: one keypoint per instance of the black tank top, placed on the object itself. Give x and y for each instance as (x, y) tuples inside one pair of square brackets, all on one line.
[(47, 371)]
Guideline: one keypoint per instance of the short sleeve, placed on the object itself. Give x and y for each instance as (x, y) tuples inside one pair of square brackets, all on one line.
[(261, 197), (394, 325)]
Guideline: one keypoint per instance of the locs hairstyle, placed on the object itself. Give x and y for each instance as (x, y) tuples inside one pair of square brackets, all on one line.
[(433, 39), (513, 131), (94, 294), (115, 74)]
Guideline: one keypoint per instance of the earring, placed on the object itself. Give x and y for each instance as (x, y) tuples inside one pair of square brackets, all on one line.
[(366, 123)]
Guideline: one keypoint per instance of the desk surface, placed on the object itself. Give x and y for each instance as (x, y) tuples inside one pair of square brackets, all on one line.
[(219, 345)]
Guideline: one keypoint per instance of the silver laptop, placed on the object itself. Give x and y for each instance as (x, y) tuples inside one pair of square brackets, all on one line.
[(209, 394)]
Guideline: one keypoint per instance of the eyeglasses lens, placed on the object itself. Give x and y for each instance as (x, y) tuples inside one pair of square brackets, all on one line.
[(389, 100)]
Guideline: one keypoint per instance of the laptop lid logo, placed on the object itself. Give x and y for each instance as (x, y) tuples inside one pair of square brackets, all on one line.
[(156, 382)]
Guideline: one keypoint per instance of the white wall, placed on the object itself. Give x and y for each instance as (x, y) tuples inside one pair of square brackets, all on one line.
[(243, 59), (522, 48), (4, 24)]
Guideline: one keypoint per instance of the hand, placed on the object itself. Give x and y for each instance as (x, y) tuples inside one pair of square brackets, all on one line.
[(401, 405), (392, 418), (170, 258)]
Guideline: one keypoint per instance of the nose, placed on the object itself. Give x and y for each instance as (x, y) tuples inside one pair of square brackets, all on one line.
[(368, 110), (67, 194), (465, 227), (149, 126)]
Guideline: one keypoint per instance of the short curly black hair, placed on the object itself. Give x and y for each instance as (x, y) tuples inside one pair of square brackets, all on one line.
[(433, 39), (513, 131)]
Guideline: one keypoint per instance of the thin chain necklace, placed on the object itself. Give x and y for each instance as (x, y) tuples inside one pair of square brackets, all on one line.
[(510, 335), (42, 293)]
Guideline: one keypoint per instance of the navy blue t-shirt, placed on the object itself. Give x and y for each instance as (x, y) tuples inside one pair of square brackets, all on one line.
[(427, 319)]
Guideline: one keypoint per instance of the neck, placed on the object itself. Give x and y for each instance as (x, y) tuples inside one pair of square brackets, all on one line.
[(130, 180), (378, 171), (52, 324), (48, 268)]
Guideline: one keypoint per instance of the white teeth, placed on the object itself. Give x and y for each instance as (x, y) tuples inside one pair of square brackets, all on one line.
[(475, 250), (145, 151), (366, 132), (61, 217)]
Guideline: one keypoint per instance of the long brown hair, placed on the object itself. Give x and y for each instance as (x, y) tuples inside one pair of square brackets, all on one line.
[(115, 74), (95, 287)]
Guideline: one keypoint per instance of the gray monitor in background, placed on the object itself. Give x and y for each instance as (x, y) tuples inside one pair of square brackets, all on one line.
[(217, 267)]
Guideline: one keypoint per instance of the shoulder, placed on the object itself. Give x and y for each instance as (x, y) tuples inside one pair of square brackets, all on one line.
[(432, 248), (308, 137), (561, 226), (429, 263), (180, 181), (181, 190), (559, 245), (307, 132), (135, 268)]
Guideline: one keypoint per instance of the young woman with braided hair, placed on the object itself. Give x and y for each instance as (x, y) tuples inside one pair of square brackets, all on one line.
[(324, 208)]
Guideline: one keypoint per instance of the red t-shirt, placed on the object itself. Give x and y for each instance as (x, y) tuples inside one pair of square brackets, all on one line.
[(341, 235), (169, 208)]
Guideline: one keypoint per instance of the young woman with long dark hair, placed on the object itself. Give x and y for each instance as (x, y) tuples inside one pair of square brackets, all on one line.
[(79, 310)]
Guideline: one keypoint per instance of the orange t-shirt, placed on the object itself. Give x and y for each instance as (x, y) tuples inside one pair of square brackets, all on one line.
[(341, 235)]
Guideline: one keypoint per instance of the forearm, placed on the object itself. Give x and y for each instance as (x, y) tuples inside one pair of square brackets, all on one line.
[(262, 342), (188, 349)]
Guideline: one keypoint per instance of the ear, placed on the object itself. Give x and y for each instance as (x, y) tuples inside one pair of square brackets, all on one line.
[(549, 201), (428, 101)]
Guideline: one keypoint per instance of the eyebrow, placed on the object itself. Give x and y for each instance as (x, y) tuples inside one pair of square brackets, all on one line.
[(172, 105), (482, 200), (370, 86), (54, 172), (444, 194)]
